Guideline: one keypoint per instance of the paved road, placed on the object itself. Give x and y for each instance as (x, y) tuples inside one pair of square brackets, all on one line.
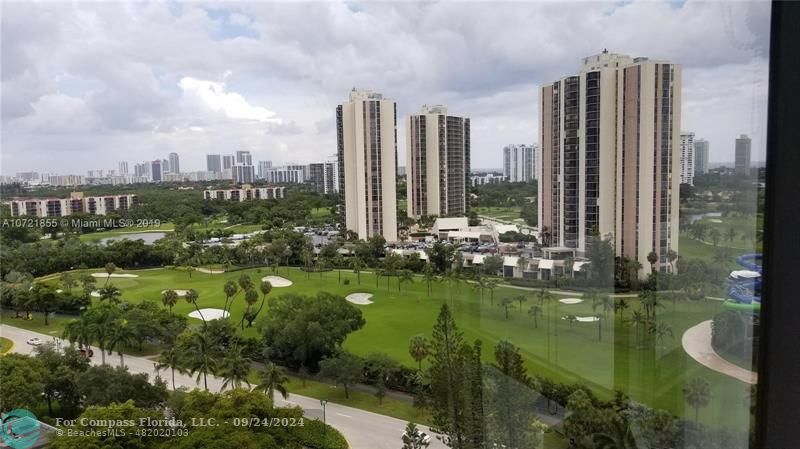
[(363, 430), (696, 342)]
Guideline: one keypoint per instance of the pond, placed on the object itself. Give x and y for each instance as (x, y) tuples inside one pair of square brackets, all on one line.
[(148, 237)]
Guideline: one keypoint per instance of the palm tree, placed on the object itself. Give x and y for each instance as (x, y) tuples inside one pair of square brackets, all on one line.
[(191, 297), (378, 275), (170, 358), (419, 348), (189, 269), (620, 437), (544, 295), (730, 235), (491, 284), (67, 281), (357, 264), (522, 264), (652, 258), (661, 330), (404, 276), (620, 305), (121, 335), (672, 256), (110, 269), (697, 394), (231, 289), (339, 262), (715, 236), (235, 368), (78, 330), (521, 299), (607, 303), (506, 303), (169, 298), (308, 261), (250, 297), (272, 378), (109, 292), (200, 359), (638, 321), (535, 311), (429, 276)]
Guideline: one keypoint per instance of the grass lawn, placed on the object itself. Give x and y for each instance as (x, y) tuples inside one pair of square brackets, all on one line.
[(745, 226), (500, 213), (320, 212), (555, 349), (5, 345), (96, 236)]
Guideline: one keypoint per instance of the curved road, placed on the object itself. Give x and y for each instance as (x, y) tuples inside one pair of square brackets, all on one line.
[(363, 430)]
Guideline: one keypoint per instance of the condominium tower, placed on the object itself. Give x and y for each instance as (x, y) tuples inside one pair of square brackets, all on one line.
[(700, 156), (743, 147), (366, 131), (687, 158), (610, 147), (519, 163), (213, 163), (437, 163), (174, 163)]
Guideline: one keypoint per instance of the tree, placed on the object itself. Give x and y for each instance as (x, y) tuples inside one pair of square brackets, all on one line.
[(170, 358), (429, 275), (43, 297), (192, 297), (121, 335), (110, 293), (522, 264), (250, 297), (661, 331), (357, 264), (617, 436), (492, 265), (231, 289), (620, 305), (272, 378), (418, 348), (715, 236), (308, 262), (697, 394), (78, 330), (100, 321), (404, 276), (245, 283), (520, 299), (21, 381), (235, 367), (344, 368), (535, 311), (169, 298), (491, 284), (200, 360), (412, 438), (440, 256), (730, 235), (652, 258), (377, 368), (67, 281), (638, 321), (110, 269), (506, 303)]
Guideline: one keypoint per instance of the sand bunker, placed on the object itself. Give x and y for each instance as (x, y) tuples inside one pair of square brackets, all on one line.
[(581, 319), (208, 271), (209, 314), (570, 301), (361, 299), (115, 275), (96, 293), (277, 281), (58, 290), (180, 293)]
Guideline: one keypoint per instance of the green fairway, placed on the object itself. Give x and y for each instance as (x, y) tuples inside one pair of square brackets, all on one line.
[(499, 213), (97, 236), (556, 349)]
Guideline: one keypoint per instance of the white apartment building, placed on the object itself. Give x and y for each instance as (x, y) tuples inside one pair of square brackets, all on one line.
[(366, 129), (519, 163), (486, 178), (284, 175), (75, 204), (687, 158), (246, 193), (243, 174)]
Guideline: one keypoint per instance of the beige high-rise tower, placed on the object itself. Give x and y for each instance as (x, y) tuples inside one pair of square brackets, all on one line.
[(437, 163), (366, 128), (610, 156)]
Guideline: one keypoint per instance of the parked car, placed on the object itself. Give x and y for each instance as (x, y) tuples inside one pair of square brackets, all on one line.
[(35, 341), (426, 439)]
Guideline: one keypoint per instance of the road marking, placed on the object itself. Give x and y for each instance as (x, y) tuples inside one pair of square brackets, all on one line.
[(342, 414)]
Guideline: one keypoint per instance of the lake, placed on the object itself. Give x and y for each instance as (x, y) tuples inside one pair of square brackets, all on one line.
[(148, 237)]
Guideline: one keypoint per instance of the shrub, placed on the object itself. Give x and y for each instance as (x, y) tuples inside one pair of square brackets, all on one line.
[(346, 282)]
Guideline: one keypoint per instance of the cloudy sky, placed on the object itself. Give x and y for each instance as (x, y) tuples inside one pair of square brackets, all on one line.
[(85, 85)]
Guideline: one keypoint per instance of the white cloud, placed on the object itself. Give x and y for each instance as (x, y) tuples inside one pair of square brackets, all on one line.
[(232, 104)]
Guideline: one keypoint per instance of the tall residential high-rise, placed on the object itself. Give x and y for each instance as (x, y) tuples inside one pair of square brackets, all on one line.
[(262, 168), (610, 156), (320, 175), (214, 163), (519, 163), (437, 163), (244, 158), (174, 163), (228, 161), (700, 156), (687, 158), (333, 160), (243, 174), (366, 131), (165, 166), (155, 170), (743, 147), (285, 175), (123, 168)]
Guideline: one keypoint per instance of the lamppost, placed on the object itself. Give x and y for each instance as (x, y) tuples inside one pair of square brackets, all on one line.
[(323, 403)]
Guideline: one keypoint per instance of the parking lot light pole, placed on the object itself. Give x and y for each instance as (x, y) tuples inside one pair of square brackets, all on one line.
[(323, 403)]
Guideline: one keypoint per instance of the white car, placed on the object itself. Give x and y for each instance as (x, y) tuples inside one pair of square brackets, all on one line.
[(426, 439), (35, 341)]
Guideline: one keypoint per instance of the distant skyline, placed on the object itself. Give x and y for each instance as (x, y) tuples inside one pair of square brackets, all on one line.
[(87, 85)]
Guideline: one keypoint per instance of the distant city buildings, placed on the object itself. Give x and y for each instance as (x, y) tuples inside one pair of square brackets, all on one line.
[(246, 193), (243, 174), (262, 168), (687, 158), (321, 176), (123, 168), (743, 154), (610, 156), (228, 161), (285, 175), (519, 163), (66, 180), (174, 163), (156, 170), (214, 163), (75, 204), (366, 129), (700, 156), (437, 163), (480, 179), (244, 158)]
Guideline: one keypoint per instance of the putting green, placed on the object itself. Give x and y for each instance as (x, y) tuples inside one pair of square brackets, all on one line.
[(561, 350)]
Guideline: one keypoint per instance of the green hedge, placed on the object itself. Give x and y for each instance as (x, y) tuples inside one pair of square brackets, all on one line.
[(314, 435)]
